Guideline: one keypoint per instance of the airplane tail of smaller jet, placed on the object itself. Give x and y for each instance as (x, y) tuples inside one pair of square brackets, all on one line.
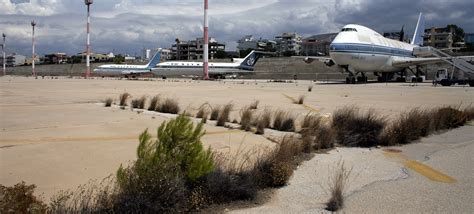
[(155, 60), (250, 60), (419, 31)]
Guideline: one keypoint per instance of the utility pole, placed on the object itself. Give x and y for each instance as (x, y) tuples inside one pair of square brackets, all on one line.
[(3, 51), (88, 45), (206, 42), (33, 24)]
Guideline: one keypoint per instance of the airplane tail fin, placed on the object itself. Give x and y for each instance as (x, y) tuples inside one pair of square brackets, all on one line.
[(155, 60), (419, 31), (250, 60)]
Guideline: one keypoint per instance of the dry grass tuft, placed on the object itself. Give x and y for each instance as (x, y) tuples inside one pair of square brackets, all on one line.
[(224, 114), (123, 99), (354, 128), (337, 186), (154, 103), (203, 111), (215, 112), (283, 121), (263, 122), (108, 102), (408, 127), (141, 102), (246, 115), (170, 106), (310, 88), (254, 104), (300, 100), (316, 134)]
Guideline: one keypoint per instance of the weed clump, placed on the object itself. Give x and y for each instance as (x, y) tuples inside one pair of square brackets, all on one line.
[(108, 102), (154, 103), (254, 105), (246, 119), (276, 169), (20, 199), (310, 88), (284, 122), (170, 106), (316, 134), (300, 100), (224, 114), (353, 128), (215, 112), (123, 99), (337, 186), (263, 121)]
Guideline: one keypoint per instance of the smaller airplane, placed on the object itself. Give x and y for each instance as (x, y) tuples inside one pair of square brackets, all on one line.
[(218, 70), (128, 70)]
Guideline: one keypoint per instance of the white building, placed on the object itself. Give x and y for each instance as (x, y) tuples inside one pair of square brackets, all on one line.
[(289, 44), (15, 60)]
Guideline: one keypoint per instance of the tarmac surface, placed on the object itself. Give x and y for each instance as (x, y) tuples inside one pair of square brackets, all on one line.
[(55, 133), (434, 175)]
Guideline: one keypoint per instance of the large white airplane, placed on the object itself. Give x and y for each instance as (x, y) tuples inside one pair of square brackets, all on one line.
[(358, 49), (216, 70), (128, 70)]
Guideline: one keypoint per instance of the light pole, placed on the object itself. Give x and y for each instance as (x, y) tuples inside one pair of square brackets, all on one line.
[(3, 51), (206, 42), (33, 24), (88, 45)]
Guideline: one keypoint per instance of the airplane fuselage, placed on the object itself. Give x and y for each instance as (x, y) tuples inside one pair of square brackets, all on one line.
[(360, 49), (113, 70), (196, 68)]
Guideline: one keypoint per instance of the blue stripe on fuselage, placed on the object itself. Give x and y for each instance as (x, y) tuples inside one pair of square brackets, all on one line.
[(369, 49)]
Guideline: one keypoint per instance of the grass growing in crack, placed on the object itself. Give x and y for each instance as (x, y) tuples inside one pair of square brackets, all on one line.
[(224, 114), (316, 134), (170, 106), (254, 105), (215, 112), (262, 122), (154, 103), (123, 99), (354, 128), (337, 187), (310, 88), (300, 100), (203, 111), (246, 119), (142, 102), (108, 102), (283, 121)]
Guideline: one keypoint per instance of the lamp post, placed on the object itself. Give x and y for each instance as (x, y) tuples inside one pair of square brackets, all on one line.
[(206, 42), (33, 24), (88, 45), (3, 51)]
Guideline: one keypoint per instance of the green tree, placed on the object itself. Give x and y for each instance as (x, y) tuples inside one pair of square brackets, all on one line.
[(220, 54), (178, 147), (118, 59), (458, 33)]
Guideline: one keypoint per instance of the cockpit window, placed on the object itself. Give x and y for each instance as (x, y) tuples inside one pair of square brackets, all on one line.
[(348, 29)]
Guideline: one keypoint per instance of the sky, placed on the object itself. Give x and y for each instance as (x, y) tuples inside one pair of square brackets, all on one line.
[(128, 26)]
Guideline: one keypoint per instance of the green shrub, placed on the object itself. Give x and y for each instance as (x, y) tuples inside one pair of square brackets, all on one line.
[(156, 182), (20, 199)]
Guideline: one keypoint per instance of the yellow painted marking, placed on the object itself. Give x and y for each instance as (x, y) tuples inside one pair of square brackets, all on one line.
[(421, 169), (307, 107)]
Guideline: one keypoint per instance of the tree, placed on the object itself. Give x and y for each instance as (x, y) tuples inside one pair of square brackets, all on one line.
[(119, 59), (244, 53), (458, 33), (220, 54)]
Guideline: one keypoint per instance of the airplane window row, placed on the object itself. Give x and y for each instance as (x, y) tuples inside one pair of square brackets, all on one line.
[(348, 29)]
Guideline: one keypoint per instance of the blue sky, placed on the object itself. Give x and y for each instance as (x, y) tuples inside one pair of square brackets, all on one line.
[(127, 26)]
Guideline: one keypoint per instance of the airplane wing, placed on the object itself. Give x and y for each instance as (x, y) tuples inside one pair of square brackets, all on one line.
[(403, 62)]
